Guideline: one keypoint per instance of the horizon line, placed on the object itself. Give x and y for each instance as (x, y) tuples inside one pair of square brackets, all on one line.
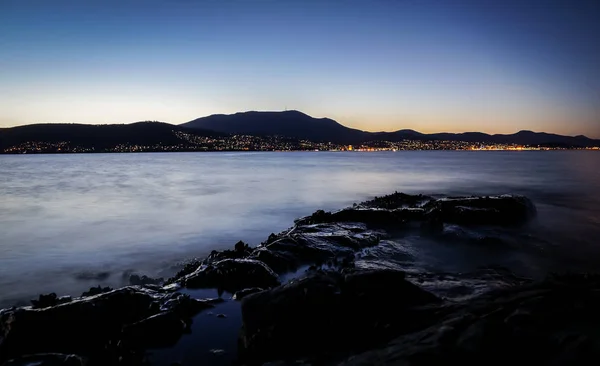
[(297, 111)]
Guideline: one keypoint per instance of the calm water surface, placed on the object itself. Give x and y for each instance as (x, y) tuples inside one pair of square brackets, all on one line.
[(68, 222)]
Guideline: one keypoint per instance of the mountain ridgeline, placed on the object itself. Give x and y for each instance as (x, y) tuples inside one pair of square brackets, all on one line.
[(217, 132), (289, 123), (99, 138), (299, 125)]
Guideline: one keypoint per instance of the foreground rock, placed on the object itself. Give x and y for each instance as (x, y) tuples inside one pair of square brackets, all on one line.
[(495, 210), (90, 325), (551, 323), (331, 312), (47, 359), (232, 275)]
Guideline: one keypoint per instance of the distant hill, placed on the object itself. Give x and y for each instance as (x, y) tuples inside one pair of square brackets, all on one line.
[(289, 123), (299, 125), (198, 135), (98, 137)]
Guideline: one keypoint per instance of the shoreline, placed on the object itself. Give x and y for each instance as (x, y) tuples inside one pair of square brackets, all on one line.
[(291, 151), (310, 272)]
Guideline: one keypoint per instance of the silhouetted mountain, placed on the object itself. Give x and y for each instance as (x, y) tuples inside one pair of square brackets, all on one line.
[(289, 123), (98, 137), (191, 135), (300, 125)]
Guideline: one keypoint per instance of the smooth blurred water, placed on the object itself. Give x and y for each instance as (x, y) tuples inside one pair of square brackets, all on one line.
[(68, 222)]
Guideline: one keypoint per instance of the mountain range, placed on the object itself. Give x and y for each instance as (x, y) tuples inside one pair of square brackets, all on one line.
[(98, 137), (302, 126), (292, 124)]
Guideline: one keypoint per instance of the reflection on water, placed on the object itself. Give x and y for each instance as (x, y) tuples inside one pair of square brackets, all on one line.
[(108, 215)]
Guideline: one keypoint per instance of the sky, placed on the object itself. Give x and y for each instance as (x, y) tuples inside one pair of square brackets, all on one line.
[(378, 65)]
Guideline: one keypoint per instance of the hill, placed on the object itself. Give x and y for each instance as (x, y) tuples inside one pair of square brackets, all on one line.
[(299, 125), (51, 137), (289, 123)]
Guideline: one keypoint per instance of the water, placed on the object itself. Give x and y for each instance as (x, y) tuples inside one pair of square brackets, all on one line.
[(68, 222)]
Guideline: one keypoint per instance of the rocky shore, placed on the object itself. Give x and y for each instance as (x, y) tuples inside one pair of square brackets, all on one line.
[(337, 308)]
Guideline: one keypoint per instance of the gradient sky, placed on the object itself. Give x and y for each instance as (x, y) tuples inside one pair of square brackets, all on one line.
[(492, 66)]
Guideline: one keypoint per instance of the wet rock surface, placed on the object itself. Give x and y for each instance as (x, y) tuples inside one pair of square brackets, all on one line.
[(329, 312), (548, 323), (348, 302)]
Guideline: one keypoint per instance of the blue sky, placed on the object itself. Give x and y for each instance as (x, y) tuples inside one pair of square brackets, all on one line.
[(492, 66)]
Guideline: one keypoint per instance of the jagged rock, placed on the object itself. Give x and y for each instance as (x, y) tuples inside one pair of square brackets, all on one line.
[(318, 217), (51, 299), (327, 312), (316, 243), (80, 325), (232, 275), (239, 295), (369, 216), (160, 330), (548, 323), (185, 306), (493, 210), (280, 262), (137, 280), (392, 284), (240, 247), (46, 359), (397, 200), (96, 291)]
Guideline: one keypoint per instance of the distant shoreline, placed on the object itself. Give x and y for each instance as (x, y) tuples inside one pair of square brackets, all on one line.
[(290, 151)]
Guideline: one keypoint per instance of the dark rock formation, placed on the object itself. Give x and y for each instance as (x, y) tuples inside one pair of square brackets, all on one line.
[(51, 299), (137, 280), (96, 291), (397, 209), (161, 330), (46, 359), (239, 295), (549, 323), (232, 275), (329, 312), (72, 327), (397, 200), (315, 244), (132, 317), (496, 210)]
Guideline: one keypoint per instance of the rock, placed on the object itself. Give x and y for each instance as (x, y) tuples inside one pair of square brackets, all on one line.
[(51, 299), (239, 295), (388, 283), (493, 210), (377, 217), (327, 312), (223, 316), (317, 217), (79, 326), (280, 262), (548, 323), (137, 280), (240, 246), (187, 269), (157, 331), (396, 201), (185, 306), (232, 275), (46, 359), (95, 291), (315, 244), (280, 322)]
